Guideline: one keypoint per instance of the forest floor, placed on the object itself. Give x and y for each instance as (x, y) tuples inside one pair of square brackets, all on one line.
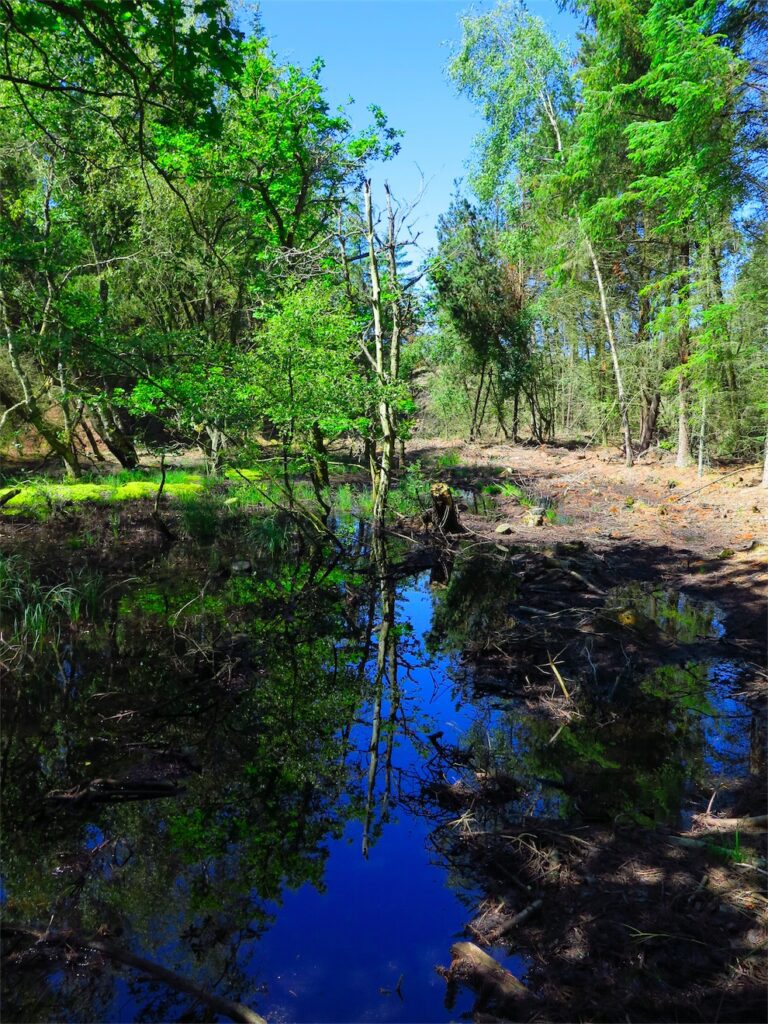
[(707, 536)]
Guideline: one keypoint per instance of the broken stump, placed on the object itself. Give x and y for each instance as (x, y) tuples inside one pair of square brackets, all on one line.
[(445, 515)]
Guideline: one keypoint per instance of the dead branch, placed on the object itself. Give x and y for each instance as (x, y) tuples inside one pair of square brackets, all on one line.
[(234, 1011)]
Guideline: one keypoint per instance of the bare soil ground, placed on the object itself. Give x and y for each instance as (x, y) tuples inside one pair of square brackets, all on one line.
[(707, 536)]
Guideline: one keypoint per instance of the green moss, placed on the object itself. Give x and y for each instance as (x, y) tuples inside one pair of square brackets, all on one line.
[(249, 474), (180, 476), (182, 490), (128, 476), (29, 498), (39, 497), (148, 489), (135, 489)]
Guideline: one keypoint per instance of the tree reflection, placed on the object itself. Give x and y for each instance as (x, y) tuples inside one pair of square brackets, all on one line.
[(240, 688)]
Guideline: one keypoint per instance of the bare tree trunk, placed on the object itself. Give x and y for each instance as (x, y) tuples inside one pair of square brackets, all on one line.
[(92, 440), (387, 371), (650, 416), (385, 657), (701, 434), (213, 448), (321, 455), (549, 109), (623, 407), (488, 387), (473, 429), (112, 433), (381, 490), (765, 465), (683, 436), (29, 407)]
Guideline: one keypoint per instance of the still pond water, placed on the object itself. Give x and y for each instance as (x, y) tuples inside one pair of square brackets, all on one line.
[(305, 709)]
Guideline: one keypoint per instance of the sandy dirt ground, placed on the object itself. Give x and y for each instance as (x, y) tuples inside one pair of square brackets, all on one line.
[(706, 535)]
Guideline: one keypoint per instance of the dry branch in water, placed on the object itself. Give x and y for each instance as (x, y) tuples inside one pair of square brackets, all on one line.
[(237, 1012)]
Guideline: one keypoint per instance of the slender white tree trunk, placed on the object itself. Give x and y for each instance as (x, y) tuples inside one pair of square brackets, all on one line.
[(623, 407), (386, 414)]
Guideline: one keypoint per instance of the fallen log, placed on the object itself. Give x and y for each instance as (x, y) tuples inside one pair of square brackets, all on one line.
[(756, 821), (237, 1012), (8, 495), (558, 563), (112, 791), (494, 922), (473, 967)]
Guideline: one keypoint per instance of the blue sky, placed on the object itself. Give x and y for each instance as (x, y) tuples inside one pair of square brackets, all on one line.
[(393, 53)]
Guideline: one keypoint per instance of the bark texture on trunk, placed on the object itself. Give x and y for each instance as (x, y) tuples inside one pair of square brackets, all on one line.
[(650, 416)]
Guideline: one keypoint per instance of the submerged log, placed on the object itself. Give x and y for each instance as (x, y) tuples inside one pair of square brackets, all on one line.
[(471, 966), (445, 515), (112, 791)]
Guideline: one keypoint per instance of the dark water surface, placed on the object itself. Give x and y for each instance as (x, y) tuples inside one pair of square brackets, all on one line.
[(310, 708)]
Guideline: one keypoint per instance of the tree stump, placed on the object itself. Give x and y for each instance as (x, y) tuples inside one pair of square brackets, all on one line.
[(445, 515)]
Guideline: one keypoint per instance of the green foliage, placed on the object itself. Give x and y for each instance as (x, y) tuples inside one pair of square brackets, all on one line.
[(131, 60), (732, 853), (177, 271), (506, 62), (448, 460), (346, 498), (411, 494), (34, 613), (645, 181), (304, 367)]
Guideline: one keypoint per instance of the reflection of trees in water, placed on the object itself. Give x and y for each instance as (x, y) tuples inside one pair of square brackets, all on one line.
[(386, 674), (475, 603), (634, 739), (540, 811), (252, 692), (631, 761), (243, 689)]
